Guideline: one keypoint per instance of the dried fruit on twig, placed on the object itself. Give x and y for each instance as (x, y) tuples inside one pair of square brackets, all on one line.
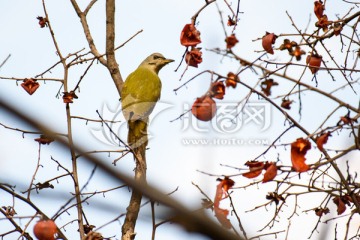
[(45, 230), (231, 80), (274, 196), (231, 22), (320, 211), (266, 86), (287, 45), (346, 120), (193, 58), (323, 23), (286, 103), (314, 62), (204, 108), (43, 139), (337, 27), (267, 41), (88, 228), (217, 90), (298, 150), (190, 36), (44, 185), (297, 53), (42, 21), (226, 183), (69, 96), (231, 41), (94, 236), (9, 211), (30, 85)]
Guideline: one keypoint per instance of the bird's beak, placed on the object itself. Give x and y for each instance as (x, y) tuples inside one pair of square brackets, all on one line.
[(166, 61)]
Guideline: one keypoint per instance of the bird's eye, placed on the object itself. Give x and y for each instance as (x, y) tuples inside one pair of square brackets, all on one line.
[(157, 57)]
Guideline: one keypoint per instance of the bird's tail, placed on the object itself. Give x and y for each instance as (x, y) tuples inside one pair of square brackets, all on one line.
[(137, 136)]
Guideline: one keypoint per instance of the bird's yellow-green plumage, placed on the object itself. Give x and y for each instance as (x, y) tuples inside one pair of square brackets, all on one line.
[(139, 95)]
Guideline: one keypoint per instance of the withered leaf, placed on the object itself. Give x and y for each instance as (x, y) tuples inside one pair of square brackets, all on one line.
[(341, 207), (206, 203), (255, 168), (270, 173), (319, 9), (221, 215), (298, 151), (267, 41), (314, 62), (320, 141)]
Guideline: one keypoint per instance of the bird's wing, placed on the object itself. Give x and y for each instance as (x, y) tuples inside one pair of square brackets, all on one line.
[(140, 93)]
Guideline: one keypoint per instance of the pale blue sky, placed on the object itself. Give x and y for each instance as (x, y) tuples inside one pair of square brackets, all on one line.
[(171, 163)]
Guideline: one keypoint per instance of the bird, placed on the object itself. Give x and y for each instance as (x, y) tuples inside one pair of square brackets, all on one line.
[(139, 95)]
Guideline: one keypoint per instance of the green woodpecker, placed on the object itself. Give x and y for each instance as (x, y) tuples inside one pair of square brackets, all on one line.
[(139, 95)]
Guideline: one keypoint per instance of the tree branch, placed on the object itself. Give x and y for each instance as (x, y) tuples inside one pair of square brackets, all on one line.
[(112, 65)]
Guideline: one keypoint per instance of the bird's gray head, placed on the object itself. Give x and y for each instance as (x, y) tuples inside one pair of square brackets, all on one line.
[(155, 62)]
